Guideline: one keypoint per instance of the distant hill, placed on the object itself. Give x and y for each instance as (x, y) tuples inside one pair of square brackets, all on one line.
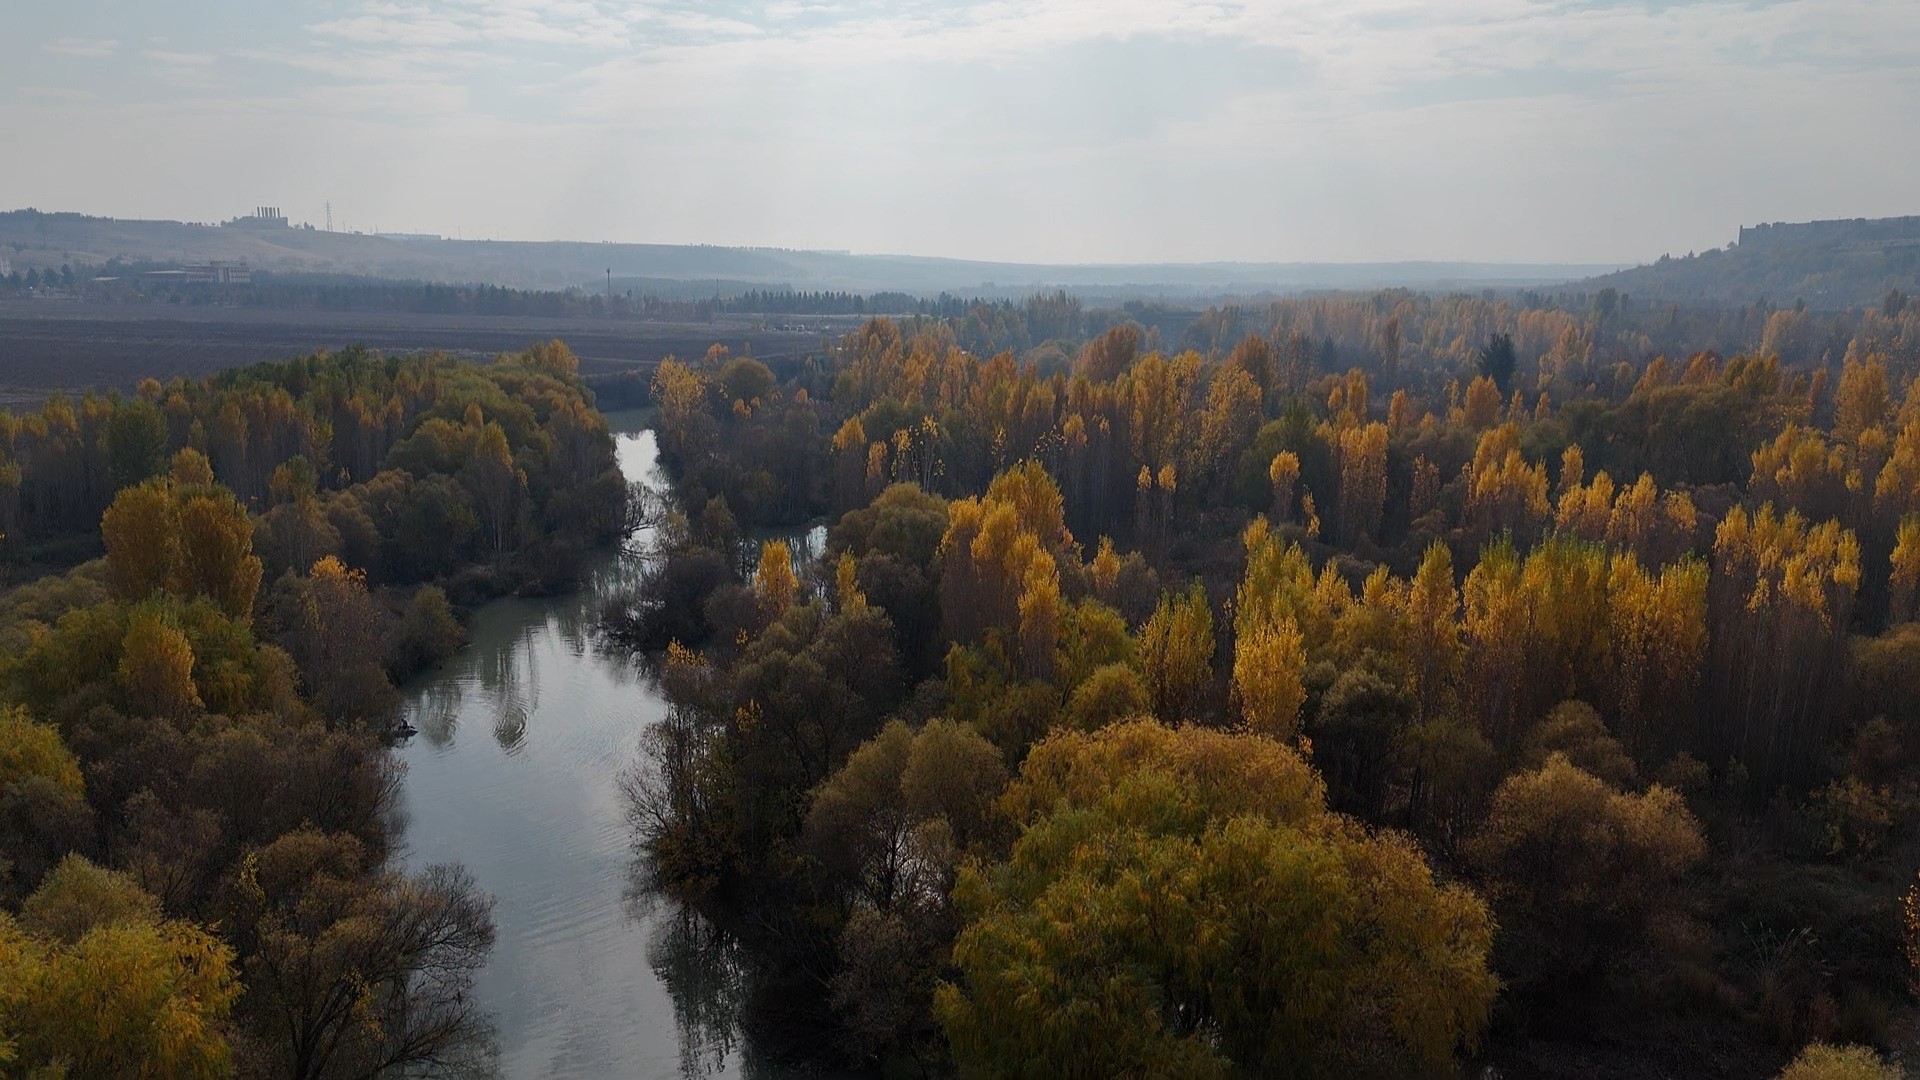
[(1831, 265), (32, 238)]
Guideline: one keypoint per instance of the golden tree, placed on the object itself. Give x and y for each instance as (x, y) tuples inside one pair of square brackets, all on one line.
[(1903, 582), (1283, 476), (1862, 400), (1363, 481), (156, 666), (1176, 652), (94, 983), (774, 582), (1780, 596), (1482, 408), (1269, 665), (1434, 649), (1505, 493)]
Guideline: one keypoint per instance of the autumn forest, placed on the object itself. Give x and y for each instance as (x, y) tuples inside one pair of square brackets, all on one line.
[(1366, 684)]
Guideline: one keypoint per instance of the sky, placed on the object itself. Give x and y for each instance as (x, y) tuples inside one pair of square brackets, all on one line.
[(1059, 131)]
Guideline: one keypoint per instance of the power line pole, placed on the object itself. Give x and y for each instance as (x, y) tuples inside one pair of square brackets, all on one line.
[(329, 216)]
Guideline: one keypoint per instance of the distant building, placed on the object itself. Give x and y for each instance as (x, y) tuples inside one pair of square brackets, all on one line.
[(6, 267), (263, 217), (209, 273)]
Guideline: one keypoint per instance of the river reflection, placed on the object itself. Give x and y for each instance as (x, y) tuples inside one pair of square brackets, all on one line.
[(516, 773)]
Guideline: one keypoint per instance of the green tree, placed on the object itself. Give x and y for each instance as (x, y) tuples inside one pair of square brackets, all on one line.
[(136, 442), (1497, 359), (357, 971), (1180, 903), (1584, 878)]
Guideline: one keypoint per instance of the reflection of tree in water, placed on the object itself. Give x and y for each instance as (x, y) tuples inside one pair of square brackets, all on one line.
[(437, 714), (700, 965), (511, 679), (705, 970)]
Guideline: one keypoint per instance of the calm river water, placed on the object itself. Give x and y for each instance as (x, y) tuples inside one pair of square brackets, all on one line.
[(515, 773)]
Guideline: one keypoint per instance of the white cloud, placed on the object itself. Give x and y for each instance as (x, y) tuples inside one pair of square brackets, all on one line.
[(88, 48)]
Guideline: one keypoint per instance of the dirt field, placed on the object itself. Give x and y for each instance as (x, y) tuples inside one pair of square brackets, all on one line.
[(53, 345)]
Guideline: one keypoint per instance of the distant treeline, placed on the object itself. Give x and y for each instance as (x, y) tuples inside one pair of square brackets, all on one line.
[(306, 293)]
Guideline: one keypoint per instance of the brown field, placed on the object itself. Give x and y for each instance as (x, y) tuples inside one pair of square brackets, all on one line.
[(52, 345)]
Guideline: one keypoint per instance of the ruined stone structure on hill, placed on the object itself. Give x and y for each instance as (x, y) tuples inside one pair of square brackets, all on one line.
[(1842, 232)]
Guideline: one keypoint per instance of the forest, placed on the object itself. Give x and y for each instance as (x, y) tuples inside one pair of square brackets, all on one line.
[(196, 792), (1375, 684), (1369, 684)]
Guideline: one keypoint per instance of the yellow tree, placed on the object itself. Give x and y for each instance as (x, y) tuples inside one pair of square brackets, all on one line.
[(1228, 424), (774, 582), (1269, 666), (29, 750), (1506, 494), (191, 469), (1862, 400), (1105, 570), (1585, 511), (1903, 583), (216, 558), (190, 540), (1565, 585), (1000, 567), (1495, 622), (1283, 475), (156, 666), (681, 394), (1434, 649), (142, 540), (1800, 471), (846, 584), (498, 487), (1399, 412), (1657, 641), (1039, 606), (849, 450), (1278, 585), (1638, 518), (1781, 597), (118, 991), (1363, 481), (1824, 1061), (1176, 652), (1573, 468), (1482, 408), (1896, 490)]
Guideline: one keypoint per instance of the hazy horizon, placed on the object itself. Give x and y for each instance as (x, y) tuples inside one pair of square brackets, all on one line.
[(395, 234), (1057, 133)]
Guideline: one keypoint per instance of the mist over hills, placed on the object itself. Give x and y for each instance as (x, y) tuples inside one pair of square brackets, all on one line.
[(1829, 265), (51, 239)]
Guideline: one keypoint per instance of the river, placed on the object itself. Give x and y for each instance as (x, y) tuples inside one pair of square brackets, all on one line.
[(523, 737)]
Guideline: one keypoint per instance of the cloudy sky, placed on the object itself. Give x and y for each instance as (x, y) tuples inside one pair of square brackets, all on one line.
[(1042, 130)]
